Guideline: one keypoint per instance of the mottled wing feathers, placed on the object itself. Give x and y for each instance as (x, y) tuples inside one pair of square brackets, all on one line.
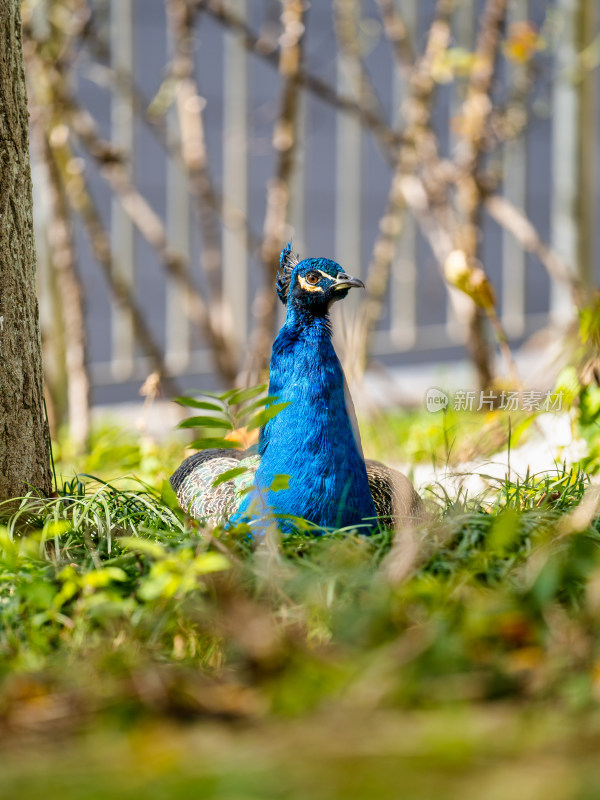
[(193, 483), (394, 497), (396, 502)]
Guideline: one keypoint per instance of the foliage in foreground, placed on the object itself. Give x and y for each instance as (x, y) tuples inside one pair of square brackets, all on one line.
[(502, 598), (468, 643)]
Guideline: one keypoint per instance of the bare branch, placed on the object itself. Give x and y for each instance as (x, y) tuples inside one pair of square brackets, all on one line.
[(514, 220), (230, 215), (396, 33), (419, 150), (81, 202), (346, 16), (381, 130), (278, 190), (152, 229), (390, 228), (472, 126), (195, 158)]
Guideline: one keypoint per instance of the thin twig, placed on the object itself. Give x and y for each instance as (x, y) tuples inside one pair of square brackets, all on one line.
[(225, 207)]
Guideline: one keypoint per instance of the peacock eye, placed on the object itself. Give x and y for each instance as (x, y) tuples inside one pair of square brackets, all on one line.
[(313, 278)]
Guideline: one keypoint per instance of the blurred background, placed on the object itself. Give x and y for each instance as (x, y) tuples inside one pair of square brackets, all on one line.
[(445, 152)]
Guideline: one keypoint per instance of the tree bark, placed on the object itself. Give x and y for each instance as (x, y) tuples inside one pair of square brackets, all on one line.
[(24, 440)]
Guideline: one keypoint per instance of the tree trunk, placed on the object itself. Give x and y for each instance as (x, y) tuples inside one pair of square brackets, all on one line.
[(24, 448)]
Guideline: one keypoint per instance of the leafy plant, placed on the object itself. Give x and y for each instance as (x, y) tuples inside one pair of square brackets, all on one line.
[(231, 411)]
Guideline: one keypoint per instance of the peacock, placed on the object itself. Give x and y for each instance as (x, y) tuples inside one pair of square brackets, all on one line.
[(314, 439)]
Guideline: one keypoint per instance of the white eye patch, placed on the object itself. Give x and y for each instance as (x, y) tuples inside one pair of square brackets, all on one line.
[(306, 285)]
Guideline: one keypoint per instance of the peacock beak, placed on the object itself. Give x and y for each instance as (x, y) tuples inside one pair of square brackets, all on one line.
[(344, 281)]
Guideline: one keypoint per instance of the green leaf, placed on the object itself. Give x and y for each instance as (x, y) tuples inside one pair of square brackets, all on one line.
[(144, 546), (260, 403), (547, 581), (237, 396), (279, 483), (210, 562), (56, 527), (228, 475), (202, 404), (263, 417), (206, 393), (505, 531), (103, 577), (215, 444), (205, 422), (40, 593), (167, 495)]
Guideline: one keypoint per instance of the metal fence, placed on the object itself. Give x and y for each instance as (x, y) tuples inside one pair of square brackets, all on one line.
[(339, 186)]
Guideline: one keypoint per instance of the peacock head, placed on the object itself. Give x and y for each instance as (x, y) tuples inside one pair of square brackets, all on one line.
[(314, 283)]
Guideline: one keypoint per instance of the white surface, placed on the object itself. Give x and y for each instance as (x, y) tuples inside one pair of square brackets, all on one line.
[(551, 445)]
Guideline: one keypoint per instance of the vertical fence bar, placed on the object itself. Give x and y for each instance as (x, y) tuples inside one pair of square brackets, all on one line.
[(348, 175), (587, 32), (458, 305), (298, 188), (122, 231), (235, 176), (404, 274), (565, 114), (515, 190), (177, 334), (348, 189)]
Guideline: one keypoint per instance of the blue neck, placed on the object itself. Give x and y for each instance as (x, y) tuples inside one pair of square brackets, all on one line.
[(303, 319), (311, 440)]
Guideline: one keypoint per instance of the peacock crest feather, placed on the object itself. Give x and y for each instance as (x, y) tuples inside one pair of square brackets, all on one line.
[(287, 261)]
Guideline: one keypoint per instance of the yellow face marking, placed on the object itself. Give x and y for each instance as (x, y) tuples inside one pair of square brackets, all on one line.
[(307, 287)]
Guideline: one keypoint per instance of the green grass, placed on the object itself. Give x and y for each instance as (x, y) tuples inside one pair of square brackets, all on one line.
[(144, 655), (417, 436)]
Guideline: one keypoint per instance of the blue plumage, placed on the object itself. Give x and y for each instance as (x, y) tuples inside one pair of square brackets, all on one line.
[(312, 439)]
